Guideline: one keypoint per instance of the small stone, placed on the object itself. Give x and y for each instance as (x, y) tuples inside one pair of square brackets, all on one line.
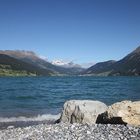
[(10, 127), (63, 131), (72, 127), (88, 132), (132, 136)]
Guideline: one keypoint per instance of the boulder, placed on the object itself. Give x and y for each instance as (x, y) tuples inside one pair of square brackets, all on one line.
[(125, 112), (82, 111)]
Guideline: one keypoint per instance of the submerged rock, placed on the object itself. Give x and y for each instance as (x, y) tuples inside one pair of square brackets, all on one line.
[(126, 112), (82, 111)]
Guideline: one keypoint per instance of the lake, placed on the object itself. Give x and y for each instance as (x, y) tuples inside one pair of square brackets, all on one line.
[(41, 98)]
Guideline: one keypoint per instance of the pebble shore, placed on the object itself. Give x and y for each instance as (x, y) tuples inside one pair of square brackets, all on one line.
[(63, 131)]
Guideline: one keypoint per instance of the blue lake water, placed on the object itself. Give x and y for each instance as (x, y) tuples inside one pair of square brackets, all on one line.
[(33, 96)]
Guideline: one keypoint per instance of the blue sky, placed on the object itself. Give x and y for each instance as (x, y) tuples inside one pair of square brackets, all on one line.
[(79, 30)]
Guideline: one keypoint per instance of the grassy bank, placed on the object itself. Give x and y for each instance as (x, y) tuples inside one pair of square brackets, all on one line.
[(6, 70)]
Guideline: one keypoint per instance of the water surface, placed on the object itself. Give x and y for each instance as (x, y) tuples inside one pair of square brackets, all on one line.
[(40, 96)]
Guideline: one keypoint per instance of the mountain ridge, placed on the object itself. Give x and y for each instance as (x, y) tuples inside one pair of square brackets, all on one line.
[(12, 66), (33, 59), (129, 65)]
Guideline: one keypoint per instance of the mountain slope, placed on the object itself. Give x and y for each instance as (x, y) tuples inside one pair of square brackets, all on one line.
[(129, 65), (68, 66), (13, 66), (101, 68), (33, 59)]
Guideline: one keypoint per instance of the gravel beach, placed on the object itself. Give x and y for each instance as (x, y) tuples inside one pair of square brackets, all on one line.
[(63, 131)]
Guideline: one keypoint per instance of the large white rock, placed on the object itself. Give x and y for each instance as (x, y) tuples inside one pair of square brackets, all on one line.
[(82, 111), (127, 111)]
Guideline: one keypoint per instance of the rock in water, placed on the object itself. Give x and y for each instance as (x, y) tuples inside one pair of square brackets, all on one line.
[(82, 111), (127, 111)]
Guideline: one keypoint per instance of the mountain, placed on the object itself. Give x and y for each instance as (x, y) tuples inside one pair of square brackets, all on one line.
[(129, 65), (28, 63), (59, 63), (33, 59), (69, 66), (101, 68), (65, 64), (10, 66)]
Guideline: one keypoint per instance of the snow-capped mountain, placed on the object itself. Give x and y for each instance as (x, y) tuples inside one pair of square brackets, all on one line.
[(40, 64), (66, 64), (59, 62)]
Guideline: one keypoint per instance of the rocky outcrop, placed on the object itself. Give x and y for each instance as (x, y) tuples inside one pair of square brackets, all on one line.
[(91, 112), (82, 111), (126, 112)]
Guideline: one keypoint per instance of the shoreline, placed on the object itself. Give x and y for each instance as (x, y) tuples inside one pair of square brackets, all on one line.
[(23, 121), (65, 131), (79, 120), (23, 124)]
